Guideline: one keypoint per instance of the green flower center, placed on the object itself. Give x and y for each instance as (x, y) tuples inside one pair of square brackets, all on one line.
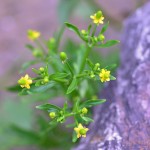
[(22, 81), (99, 14), (82, 131)]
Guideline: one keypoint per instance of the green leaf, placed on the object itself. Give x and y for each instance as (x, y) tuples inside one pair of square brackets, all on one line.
[(112, 78), (14, 88), (90, 103), (48, 107), (73, 28), (74, 137), (37, 89), (72, 86), (104, 28), (87, 119), (109, 43), (111, 66), (59, 75), (35, 71)]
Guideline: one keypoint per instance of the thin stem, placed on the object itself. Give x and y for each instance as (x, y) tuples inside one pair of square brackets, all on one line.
[(71, 114), (40, 45), (86, 54), (60, 34), (94, 30)]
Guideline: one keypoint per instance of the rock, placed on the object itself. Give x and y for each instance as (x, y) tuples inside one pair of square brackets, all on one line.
[(123, 122)]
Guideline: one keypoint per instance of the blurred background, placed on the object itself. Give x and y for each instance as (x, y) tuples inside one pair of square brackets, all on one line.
[(17, 114)]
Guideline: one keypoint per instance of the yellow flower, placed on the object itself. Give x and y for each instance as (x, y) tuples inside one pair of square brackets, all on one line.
[(25, 81), (104, 75), (81, 131), (33, 35), (98, 18)]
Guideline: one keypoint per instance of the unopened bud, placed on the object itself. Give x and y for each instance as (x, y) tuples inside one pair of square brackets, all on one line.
[(41, 69), (63, 56), (84, 110), (46, 79), (37, 53), (52, 115), (101, 37), (84, 32)]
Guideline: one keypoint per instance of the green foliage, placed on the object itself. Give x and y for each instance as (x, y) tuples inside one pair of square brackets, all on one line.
[(72, 86), (76, 74), (109, 43), (48, 107)]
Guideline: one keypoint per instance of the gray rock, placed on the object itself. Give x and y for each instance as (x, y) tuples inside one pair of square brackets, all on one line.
[(123, 122)]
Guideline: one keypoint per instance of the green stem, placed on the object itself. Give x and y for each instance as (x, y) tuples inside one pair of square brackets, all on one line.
[(71, 114), (94, 30), (86, 54), (40, 46), (58, 39)]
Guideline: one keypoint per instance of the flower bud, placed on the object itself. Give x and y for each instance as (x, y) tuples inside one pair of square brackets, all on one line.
[(46, 79), (84, 32), (84, 110), (95, 39), (63, 56), (92, 75), (41, 69), (96, 67), (37, 53), (101, 37), (52, 115), (51, 43)]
